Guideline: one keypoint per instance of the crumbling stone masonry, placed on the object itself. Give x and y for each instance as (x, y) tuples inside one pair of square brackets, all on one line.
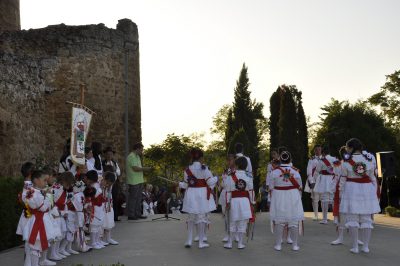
[(41, 69)]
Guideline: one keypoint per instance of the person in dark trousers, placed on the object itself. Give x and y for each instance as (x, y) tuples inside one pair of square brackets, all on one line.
[(135, 182)]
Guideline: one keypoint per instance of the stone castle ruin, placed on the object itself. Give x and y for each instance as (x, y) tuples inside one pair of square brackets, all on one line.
[(41, 69)]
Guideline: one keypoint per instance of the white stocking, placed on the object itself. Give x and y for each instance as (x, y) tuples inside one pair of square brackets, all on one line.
[(190, 226), (354, 238), (35, 255), (294, 233), (315, 208), (325, 207), (27, 254), (366, 233), (278, 232)]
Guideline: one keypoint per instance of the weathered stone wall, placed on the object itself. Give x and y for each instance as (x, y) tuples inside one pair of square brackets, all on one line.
[(9, 15), (41, 69)]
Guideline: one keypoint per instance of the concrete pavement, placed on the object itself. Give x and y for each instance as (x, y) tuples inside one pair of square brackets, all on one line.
[(161, 243)]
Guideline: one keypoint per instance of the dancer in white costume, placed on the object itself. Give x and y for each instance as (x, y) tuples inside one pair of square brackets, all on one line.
[(359, 200), (26, 171), (39, 229), (239, 149), (223, 188), (286, 207), (339, 218), (240, 197), (311, 181), (325, 175), (198, 201)]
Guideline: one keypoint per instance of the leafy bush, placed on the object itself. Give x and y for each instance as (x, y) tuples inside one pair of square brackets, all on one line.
[(392, 211), (10, 211)]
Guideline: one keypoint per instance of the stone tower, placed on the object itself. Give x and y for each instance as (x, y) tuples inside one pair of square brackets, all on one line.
[(9, 15)]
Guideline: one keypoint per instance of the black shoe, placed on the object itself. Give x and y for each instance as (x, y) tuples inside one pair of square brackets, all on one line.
[(132, 218), (142, 217)]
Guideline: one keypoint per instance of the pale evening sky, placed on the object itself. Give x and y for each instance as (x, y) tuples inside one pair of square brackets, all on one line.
[(191, 51)]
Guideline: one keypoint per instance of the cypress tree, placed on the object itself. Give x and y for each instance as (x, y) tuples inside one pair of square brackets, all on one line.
[(229, 129), (274, 108), (244, 116), (287, 122)]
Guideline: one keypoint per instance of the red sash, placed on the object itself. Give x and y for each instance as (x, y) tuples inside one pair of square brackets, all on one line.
[(240, 194), (71, 206), (60, 203), (336, 201), (199, 183), (98, 201), (291, 179), (286, 188), (39, 228), (362, 180), (324, 172)]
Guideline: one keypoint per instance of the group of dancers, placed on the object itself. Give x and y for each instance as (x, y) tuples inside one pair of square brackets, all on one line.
[(349, 183), (59, 209)]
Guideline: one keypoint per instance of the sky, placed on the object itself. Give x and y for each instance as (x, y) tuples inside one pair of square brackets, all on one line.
[(192, 51)]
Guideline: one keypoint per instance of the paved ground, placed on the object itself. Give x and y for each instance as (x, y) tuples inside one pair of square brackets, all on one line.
[(161, 243)]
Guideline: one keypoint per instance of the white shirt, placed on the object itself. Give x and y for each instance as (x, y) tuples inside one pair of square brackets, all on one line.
[(249, 168)]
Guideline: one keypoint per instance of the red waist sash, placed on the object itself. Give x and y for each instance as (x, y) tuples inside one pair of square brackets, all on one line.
[(362, 180), (286, 188), (240, 194), (39, 228), (98, 201), (324, 172), (201, 183)]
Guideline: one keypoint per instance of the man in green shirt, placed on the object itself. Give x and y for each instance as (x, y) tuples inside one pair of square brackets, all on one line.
[(135, 182)]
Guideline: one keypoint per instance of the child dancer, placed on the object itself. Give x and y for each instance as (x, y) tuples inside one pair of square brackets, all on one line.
[(68, 180), (325, 174), (52, 215), (97, 211), (108, 181), (26, 171), (198, 182), (78, 202), (39, 229), (148, 197), (240, 196), (286, 206), (230, 160), (359, 200)]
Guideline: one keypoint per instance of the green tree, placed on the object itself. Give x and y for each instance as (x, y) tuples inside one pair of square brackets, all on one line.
[(388, 98), (287, 122), (170, 158), (274, 109), (248, 115), (341, 121)]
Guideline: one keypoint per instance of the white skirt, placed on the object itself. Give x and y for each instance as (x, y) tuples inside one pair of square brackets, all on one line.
[(98, 218), (21, 224), (240, 209), (325, 184), (58, 235), (222, 199), (109, 220), (195, 201), (48, 225), (359, 199), (286, 206), (80, 219)]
